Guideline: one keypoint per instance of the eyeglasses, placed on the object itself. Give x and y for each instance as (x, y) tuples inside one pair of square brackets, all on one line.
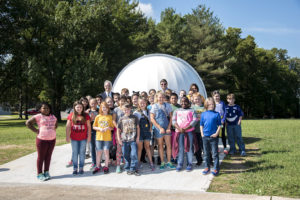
[(163, 84)]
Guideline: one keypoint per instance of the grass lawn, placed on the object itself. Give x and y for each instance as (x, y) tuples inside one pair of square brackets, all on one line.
[(272, 164), (271, 167)]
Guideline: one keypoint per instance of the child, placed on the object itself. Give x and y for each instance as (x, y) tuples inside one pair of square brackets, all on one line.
[(198, 107), (93, 113), (145, 130), (220, 108), (99, 100), (184, 120), (182, 93), (234, 115), (152, 92), (86, 109), (210, 126), (175, 106), (45, 139), (135, 101), (103, 125), (116, 97), (160, 114), (128, 134), (118, 113), (110, 104), (78, 129), (125, 92)]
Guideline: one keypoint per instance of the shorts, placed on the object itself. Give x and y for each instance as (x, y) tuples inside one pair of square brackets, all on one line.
[(102, 145), (157, 135), (145, 136)]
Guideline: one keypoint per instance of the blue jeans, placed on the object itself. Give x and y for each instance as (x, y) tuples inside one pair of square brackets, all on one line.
[(93, 146), (181, 149), (211, 145), (78, 149), (234, 134), (130, 154)]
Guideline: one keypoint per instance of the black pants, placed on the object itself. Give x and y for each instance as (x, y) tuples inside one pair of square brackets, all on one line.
[(198, 154), (223, 136)]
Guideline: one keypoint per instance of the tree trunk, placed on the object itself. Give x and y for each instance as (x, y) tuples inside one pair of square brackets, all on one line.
[(21, 105)]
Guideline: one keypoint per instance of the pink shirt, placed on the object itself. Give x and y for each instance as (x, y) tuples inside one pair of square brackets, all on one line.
[(46, 126), (184, 118)]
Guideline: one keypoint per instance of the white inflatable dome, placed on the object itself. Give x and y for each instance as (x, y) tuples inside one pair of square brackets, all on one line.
[(145, 73)]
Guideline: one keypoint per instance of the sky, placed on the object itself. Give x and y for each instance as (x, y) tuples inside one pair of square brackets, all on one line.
[(273, 23)]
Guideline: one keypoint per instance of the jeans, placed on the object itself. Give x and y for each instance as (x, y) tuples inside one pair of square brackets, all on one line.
[(78, 149), (211, 145), (130, 154), (93, 146), (234, 134), (189, 154)]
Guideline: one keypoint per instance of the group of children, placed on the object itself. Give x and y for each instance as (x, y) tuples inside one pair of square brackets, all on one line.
[(128, 128)]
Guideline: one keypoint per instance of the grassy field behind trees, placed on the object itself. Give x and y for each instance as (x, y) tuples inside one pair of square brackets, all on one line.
[(270, 168), (58, 51)]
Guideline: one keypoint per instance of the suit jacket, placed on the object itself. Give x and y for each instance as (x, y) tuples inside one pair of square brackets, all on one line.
[(103, 94)]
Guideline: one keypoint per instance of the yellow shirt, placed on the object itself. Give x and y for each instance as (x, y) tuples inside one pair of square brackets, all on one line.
[(103, 121)]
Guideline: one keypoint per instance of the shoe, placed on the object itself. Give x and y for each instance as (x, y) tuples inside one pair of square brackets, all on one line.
[(75, 172), (205, 171), (243, 153), (70, 164), (130, 172), (170, 165), (189, 167), (226, 151), (41, 177), (136, 173), (47, 175), (152, 167), (199, 162), (105, 170), (92, 167), (87, 156), (178, 168), (162, 166), (144, 160), (96, 170), (215, 172), (118, 169), (81, 172)]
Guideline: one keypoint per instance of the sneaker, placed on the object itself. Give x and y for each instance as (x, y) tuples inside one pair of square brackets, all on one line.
[(118, 169), (189, 167), (136, 173), (215, 172), (47, 175), (152, 167), (105, 170), (130, 172), (96, 170), (178, 168), (226, 151), (75, 172), (205, 171), (199, 162), (41, 177), (69, 164), (92, 167), (243, 153), (81, 171), (170, 165), (162, 166), (87, 156)]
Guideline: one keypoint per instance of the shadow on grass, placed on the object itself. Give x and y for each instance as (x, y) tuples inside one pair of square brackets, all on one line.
[(275, 151), (250, 140)]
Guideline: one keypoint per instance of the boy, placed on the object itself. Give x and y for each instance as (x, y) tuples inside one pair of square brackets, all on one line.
[(210, 126), (128, 134), (234, 115)]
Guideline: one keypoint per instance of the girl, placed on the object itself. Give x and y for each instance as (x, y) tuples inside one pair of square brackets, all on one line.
[(93, 113), (199, 108), (125, 92), (184, 119), (85, 102), (160, 115), (110, 103), (103, 125), (118, 113), (135, 101), (45, 139), (152, 92), (78, 130), (145, 130), (220, 108), (210, 126)]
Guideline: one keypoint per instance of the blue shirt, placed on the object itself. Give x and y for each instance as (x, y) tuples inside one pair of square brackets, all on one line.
[(210, 120), (233, 113), (220, 108)]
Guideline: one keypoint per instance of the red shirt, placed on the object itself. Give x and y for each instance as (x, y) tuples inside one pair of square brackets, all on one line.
[(78, 130)]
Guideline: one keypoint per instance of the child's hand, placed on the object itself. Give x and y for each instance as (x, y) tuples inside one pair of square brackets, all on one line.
[(181, 130), (239, 122), (162, 131), (68, 139), (168, 131), (214, 135), (120, 142), (37, 131), (137, 140)]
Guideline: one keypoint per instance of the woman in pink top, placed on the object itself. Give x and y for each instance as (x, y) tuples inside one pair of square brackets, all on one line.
[(45, 139), (184, 119)]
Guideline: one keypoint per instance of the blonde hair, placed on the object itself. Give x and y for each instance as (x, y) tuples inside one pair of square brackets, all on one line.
[(197, 94), (209, 99), (157, 94)]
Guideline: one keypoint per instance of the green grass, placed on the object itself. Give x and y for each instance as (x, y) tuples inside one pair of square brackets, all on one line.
[(272, 166), (16, 140)]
